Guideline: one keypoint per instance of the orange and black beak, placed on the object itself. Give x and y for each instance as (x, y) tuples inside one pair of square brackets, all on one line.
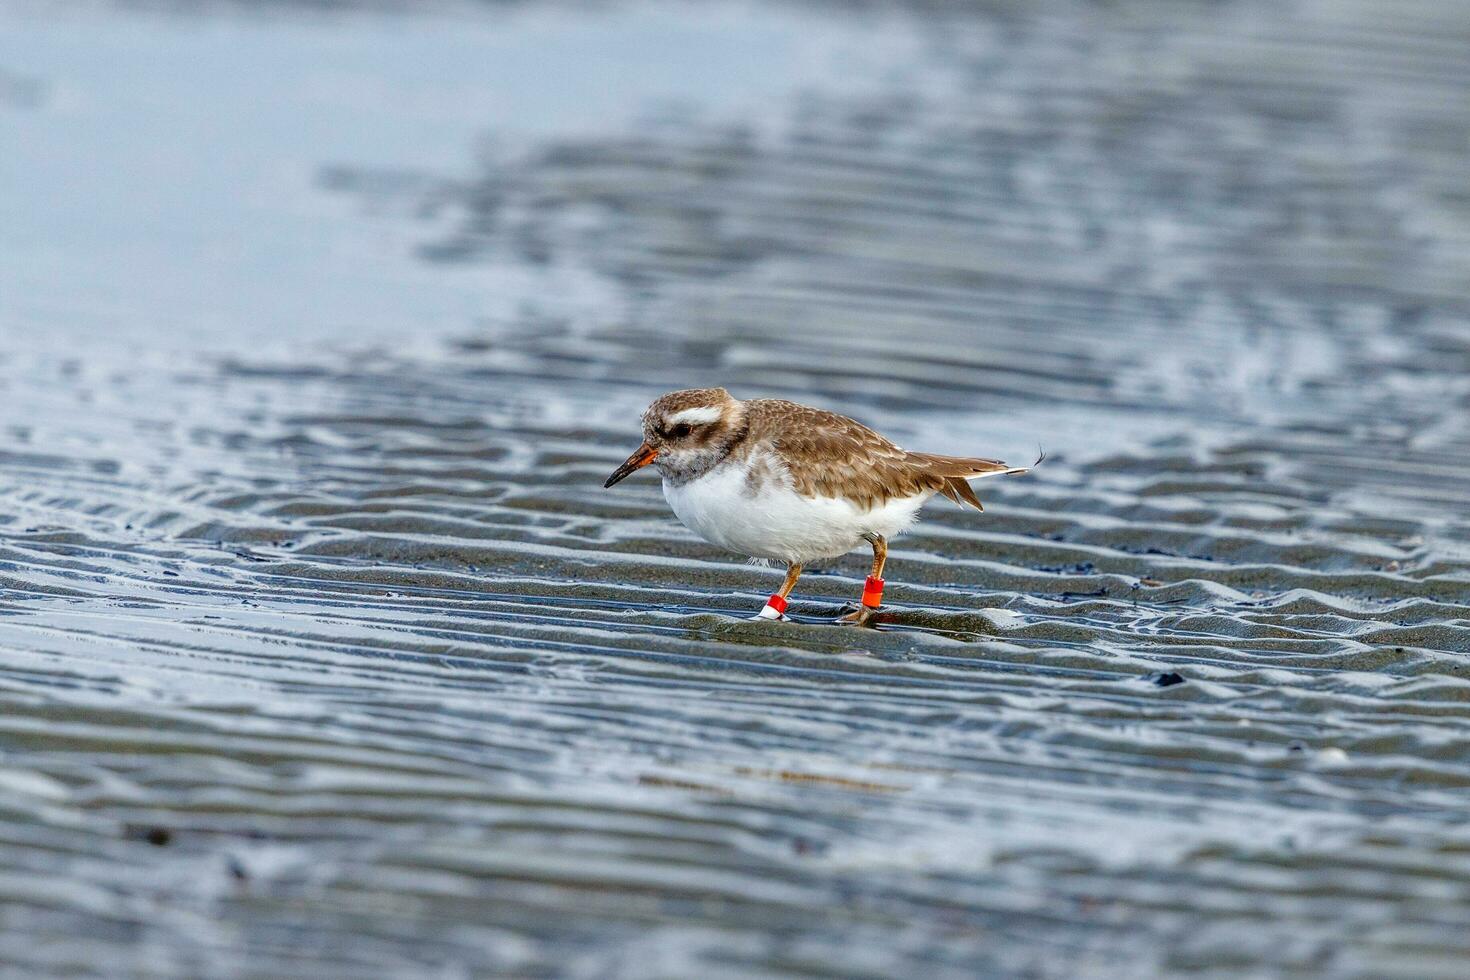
[(641, 457)]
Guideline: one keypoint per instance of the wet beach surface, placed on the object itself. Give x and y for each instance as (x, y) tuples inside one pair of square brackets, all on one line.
[(323, 652)]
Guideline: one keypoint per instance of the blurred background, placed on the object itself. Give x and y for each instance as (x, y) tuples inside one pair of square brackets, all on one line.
[(323, 652)]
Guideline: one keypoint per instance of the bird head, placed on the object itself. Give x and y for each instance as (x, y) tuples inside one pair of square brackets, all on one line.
[(685, 432)]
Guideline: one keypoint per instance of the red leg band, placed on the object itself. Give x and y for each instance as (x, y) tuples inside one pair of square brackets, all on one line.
[(873, 592), (777, 603)]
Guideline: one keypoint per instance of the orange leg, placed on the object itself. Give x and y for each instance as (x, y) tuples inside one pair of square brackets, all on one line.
[(873, 587), (776, 604)]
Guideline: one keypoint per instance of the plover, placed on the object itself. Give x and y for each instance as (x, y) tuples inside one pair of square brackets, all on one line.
[(772, 479)]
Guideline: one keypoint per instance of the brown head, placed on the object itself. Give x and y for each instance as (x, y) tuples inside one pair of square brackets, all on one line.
[(685, 433)]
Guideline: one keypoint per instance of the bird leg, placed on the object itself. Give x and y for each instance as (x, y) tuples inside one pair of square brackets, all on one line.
[(776, 604), (873, 587)]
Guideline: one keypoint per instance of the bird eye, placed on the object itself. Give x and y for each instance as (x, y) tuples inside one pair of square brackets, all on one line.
[(679, 431)]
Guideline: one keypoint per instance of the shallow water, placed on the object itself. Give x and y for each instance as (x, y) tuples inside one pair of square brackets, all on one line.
[(325, 653)]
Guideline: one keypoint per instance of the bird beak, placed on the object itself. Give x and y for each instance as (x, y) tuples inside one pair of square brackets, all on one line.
[(641, 457)]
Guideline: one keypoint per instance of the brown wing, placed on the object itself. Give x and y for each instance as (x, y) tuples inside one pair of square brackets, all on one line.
[(956, 471), (831, 455)]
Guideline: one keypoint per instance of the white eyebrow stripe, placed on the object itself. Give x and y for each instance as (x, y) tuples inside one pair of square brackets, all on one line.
[(695, 416)]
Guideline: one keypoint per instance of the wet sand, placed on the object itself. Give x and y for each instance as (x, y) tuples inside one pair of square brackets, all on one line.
[(323, 652)]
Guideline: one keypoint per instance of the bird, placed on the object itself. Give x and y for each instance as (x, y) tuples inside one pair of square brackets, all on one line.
[(772, 479)]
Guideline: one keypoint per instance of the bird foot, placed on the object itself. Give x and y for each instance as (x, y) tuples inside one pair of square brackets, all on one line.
[(862, 616)]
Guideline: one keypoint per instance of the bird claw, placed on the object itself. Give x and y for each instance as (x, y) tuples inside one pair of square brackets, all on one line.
[(862, 616)]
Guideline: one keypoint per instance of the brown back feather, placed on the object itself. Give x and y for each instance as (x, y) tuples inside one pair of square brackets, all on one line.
[(831, 455)]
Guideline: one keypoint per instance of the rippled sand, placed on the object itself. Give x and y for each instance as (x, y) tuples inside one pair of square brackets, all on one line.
[(323, 652)]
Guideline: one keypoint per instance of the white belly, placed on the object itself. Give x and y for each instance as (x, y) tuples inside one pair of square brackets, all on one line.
[(778, 522)]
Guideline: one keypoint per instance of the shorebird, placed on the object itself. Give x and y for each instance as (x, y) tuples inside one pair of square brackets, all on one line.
[(772, 479)]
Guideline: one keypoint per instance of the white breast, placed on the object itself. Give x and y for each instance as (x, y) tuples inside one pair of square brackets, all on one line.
[(776, 521)]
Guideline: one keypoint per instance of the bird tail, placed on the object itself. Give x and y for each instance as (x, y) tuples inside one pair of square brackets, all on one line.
[(953, 473)]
